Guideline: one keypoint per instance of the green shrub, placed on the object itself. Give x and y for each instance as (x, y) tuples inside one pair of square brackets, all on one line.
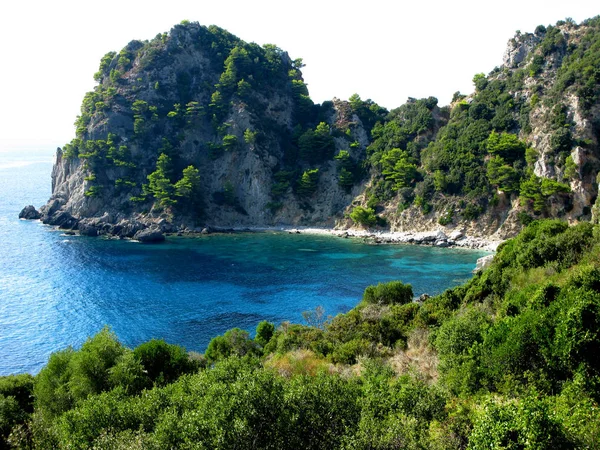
[(393, 292), (234, 342), (348, 352), (264, 333), (163, 363), (363, 216)]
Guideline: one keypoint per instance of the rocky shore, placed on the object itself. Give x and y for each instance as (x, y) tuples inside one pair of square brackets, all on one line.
[(145, 229)]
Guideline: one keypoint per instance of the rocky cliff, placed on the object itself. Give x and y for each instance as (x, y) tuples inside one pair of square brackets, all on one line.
[(198, 128)]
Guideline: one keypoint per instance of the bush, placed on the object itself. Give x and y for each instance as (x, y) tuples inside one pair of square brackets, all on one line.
[(163, 363), (264, 333), (363, 216), (528, 424), (394, 292), (234, 342)]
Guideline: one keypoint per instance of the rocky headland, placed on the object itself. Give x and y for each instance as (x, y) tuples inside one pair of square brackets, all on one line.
[(198, 130)]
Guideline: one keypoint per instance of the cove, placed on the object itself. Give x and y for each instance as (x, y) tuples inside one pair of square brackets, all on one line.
[(56, 290)]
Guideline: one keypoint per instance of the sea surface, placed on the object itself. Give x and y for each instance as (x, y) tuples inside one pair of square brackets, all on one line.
[(56, 290)]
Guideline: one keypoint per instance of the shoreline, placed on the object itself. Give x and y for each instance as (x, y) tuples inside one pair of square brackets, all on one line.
[(157, 233), (439, 239)]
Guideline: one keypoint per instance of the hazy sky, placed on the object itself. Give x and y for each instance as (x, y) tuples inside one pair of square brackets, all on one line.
[(383, 50)]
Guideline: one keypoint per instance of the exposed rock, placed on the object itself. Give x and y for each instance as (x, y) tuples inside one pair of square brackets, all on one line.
[(61, 219), (422, 298), (518, 49), (87, 229), (149, 235), (205, 230), (30, 213), (456, 235), (483, 263), (441, 243)]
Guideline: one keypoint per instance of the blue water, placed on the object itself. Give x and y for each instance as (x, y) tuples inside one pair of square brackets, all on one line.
[(57, 290)]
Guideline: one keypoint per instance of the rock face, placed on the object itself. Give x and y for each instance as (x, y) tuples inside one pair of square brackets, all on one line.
[(231, 115), (519, 48), (265, 155), (30, 213)]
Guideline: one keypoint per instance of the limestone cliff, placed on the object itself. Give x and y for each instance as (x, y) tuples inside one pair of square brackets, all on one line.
[(198, 128)]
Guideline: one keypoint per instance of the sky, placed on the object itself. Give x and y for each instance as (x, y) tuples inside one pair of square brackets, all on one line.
[(385, 50)]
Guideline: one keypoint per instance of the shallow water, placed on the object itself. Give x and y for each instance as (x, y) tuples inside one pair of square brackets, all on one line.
[(56, 290)]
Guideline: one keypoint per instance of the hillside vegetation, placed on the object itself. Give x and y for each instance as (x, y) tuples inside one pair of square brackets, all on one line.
[(507, 360)]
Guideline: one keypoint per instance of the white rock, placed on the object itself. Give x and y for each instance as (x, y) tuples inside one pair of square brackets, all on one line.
[(483, 263)]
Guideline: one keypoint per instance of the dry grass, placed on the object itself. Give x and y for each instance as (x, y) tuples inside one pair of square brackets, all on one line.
[(298, 362), (418, 358), (374, 313)]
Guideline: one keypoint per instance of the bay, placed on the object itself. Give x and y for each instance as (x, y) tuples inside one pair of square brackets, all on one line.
[(56, 290)]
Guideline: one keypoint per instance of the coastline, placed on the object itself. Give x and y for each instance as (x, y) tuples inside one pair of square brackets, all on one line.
[(456, 239)]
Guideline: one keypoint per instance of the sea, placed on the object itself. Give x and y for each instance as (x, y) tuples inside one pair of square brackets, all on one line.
[(57, 290)]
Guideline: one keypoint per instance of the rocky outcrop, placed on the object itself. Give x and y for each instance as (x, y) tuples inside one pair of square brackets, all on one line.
[(519, 48), (30, 213)]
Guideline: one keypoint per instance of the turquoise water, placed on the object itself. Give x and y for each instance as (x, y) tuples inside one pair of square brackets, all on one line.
[(56, 290)]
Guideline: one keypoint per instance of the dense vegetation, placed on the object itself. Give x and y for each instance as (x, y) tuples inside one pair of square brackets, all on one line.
[(508, 360), (463, 159)]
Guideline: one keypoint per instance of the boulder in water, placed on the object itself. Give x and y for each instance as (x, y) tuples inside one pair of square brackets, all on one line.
[(30, 213), (149, 235)]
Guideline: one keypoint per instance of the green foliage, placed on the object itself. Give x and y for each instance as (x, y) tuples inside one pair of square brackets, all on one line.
[(395, 166), (571, 169), (447, 217), (506, 145), (536, 191), (363, 216), (250, 136), (16, 404), (367, 111), (189, 185), (531, 156), (307, 185), (480, 81), (94, 191), (230, 142), (527, 424), (264, 333), (391, 293), (159, 183), (316, 146), (234, 342), (71, 376), (163, 363), (502, 175), (579, 66)]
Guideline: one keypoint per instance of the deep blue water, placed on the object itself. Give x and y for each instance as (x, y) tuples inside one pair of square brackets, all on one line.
[(57, 290)]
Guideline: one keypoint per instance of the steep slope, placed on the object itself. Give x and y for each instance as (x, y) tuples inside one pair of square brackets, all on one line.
[(523, 145), (197, 127)]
